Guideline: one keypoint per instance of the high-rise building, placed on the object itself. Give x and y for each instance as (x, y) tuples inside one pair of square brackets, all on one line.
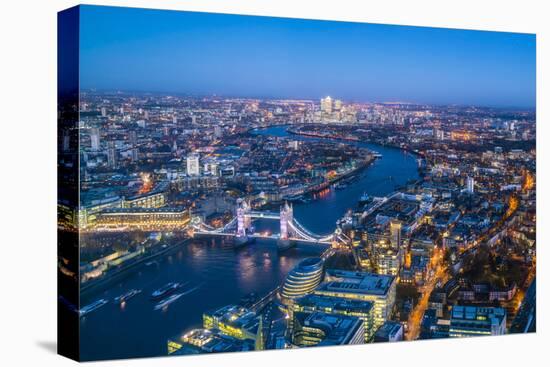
[(193, 166), (395, 233), (388, 262), (326, 105), (133, 143), (477, 321), (470, 184), (111, 154), (337, 105), (103, 111), (94, 138)]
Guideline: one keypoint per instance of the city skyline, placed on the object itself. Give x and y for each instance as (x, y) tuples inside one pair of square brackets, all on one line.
[(316, 216), (181, 52)]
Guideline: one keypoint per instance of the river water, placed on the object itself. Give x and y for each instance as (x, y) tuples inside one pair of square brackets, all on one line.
[(223, 275)]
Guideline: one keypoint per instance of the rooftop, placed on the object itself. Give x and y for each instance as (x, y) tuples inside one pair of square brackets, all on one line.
[(356, 282), (338, 329), (236, 316), (388, 331), (332, 303)]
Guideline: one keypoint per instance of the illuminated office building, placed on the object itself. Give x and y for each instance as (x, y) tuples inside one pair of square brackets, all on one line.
[(143, 218), (469, 321), (388, 262), (235, 321), (362, 286)]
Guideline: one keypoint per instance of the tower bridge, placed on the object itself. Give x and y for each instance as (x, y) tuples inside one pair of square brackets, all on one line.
[(291, 230)]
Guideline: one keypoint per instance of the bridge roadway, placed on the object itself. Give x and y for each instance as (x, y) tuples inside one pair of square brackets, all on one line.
[(257, 235)]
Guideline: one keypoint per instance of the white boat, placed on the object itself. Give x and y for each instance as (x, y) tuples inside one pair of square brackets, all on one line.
[(126, 296), (92, 306), (168, 301)]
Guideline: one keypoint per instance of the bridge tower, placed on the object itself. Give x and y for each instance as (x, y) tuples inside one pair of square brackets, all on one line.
[(286, 218)]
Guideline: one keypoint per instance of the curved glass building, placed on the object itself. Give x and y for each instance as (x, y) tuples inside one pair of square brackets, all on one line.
[(303, 279)]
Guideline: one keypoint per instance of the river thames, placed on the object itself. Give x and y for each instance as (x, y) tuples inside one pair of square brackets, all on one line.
[(220, 274)]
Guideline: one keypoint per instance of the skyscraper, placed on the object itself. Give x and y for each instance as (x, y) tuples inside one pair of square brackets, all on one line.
[(94, 138), (326, 105), (133, 143), (111, 155), (470, 183), (395, 234), (193, 167)]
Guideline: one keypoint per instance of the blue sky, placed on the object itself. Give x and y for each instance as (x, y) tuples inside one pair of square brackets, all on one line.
[(232, 55)]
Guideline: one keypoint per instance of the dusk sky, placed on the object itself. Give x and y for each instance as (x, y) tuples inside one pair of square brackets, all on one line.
[(244, 56)]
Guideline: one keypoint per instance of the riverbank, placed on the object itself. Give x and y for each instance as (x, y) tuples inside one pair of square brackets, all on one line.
[(354, 139), (121, 272)]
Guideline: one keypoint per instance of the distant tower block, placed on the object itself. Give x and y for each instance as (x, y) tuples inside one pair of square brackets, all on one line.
[(94, 138), (470, 185), (395, 233), (133, 143), (326, 105), (111, 155)]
